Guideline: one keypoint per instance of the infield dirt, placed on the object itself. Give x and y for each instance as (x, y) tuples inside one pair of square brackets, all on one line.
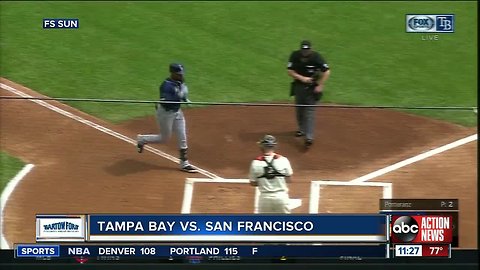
[(79, 169)]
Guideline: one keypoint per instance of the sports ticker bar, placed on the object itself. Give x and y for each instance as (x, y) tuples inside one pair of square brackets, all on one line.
[(307, 251)]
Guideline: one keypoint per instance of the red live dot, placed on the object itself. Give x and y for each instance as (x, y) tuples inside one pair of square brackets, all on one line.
[(435, 250)]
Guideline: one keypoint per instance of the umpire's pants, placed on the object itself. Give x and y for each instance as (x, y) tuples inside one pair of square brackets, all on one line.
[(305, 115)]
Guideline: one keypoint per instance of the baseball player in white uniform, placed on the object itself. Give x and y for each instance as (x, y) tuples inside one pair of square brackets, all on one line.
[(271, 172)]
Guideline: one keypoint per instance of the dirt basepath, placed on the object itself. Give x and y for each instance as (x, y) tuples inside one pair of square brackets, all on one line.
[(82, 170)]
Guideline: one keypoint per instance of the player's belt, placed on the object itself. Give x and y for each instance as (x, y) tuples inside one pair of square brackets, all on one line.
[(170, 109), (302, 83)]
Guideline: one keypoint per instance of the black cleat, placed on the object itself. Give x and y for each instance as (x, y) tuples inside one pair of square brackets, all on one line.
[(189, 169), (140, 147), (299, 134), (308, 143)]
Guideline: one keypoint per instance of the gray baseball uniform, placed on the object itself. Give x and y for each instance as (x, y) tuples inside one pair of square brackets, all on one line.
[(170, 117), (306, 63)]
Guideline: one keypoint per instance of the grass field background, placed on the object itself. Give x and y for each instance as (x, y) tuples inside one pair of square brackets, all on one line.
[(9, 167), (237, 51)]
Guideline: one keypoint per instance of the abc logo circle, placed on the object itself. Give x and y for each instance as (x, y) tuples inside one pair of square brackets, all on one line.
[(405, 228)]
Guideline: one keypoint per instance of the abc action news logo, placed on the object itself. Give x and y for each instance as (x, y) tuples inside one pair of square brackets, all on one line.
[(421, 229)]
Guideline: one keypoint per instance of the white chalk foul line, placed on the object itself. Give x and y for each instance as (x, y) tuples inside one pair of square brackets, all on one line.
[(414, 159), (102, 128), (6, 195), (189, 187)]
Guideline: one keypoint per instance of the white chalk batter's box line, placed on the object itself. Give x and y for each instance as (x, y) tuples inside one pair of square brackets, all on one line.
[(315, 190), (189, 187), (294, 203)]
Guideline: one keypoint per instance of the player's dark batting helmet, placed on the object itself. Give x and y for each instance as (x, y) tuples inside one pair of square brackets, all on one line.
[(177, 68)]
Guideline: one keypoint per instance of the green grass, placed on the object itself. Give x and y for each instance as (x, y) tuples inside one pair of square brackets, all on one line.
[(9, 167), (237, 51)]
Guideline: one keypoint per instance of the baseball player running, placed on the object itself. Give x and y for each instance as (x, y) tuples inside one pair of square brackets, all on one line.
[(170, 116), (271, 172)]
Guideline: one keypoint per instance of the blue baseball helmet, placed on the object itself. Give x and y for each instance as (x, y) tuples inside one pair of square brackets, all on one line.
[(177, 68)]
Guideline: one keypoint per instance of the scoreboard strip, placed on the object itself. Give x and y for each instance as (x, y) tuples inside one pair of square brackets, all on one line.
[(125, 250)]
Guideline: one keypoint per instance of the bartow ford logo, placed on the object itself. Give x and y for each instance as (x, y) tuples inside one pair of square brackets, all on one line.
[(405, 228), (63, 226), (430, 23), (55, 227)]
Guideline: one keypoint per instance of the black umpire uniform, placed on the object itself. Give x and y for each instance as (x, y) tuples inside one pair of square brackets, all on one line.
[(309, 69)]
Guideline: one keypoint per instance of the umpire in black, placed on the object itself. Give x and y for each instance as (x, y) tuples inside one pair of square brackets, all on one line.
[(310, 72)]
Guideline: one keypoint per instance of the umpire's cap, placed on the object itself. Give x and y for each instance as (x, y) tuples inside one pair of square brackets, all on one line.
[(268, 140), (306, 44), (177, 68)]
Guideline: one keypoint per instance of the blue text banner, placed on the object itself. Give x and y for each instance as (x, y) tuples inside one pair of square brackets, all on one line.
[(238, 228)]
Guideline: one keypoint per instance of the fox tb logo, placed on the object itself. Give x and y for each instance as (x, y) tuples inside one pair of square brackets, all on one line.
[(405, 228), (445, 23), (421, 23), (430, 23)]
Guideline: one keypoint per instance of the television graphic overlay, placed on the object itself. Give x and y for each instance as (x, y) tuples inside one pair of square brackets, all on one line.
[(422, 229), (430, 23), (428, 221), (67, 228)]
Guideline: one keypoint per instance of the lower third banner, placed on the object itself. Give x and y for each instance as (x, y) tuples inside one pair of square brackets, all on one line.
[(238, 228)]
